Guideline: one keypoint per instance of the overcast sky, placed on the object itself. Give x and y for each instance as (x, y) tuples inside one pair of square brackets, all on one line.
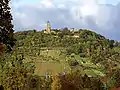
[(101, 16)]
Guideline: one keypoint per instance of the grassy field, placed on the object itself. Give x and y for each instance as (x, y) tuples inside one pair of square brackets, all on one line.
[(54, 62), (51, 68)]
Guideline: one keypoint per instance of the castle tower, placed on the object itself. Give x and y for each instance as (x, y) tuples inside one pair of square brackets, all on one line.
[(48, 29)]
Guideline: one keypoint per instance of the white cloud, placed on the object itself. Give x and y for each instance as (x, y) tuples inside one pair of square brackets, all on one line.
[(62, 6), (47, 3)]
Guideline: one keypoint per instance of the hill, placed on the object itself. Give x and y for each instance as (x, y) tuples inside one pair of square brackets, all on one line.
[(62, 44), (60, 53)]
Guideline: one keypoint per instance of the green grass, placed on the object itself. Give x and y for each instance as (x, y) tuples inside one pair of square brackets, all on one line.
[(44, 66), (48, 62), (93, 73), (54, 53), (53, 62), (53, 68)]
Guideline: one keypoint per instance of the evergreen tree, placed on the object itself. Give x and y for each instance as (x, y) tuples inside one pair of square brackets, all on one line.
[(6, 27)]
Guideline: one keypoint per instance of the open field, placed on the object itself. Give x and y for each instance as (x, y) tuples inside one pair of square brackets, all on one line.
[(51, 68), (53, 62)]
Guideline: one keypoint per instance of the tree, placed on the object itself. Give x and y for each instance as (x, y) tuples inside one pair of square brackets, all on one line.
[(60, 35), (65, 31), (76, 81), (111, 43), (56, 85), (6, 27)]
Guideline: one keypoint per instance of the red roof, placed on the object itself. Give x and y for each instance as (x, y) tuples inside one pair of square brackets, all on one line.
[(76, 34)]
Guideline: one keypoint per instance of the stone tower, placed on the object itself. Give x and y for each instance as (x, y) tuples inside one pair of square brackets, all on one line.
[(48, 29)]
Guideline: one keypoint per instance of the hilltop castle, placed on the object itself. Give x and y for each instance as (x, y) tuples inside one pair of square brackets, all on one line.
[(48, 27)]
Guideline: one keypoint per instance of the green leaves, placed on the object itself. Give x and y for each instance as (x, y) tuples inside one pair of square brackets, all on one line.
[(6, 27)]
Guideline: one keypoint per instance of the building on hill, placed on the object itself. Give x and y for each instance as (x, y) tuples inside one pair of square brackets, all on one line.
[(76, 35), (71, 29), (48, 28)]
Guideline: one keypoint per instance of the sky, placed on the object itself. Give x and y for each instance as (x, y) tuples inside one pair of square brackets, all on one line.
[(101, 16)]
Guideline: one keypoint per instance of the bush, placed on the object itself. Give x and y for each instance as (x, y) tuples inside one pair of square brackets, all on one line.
[(75, 81)]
